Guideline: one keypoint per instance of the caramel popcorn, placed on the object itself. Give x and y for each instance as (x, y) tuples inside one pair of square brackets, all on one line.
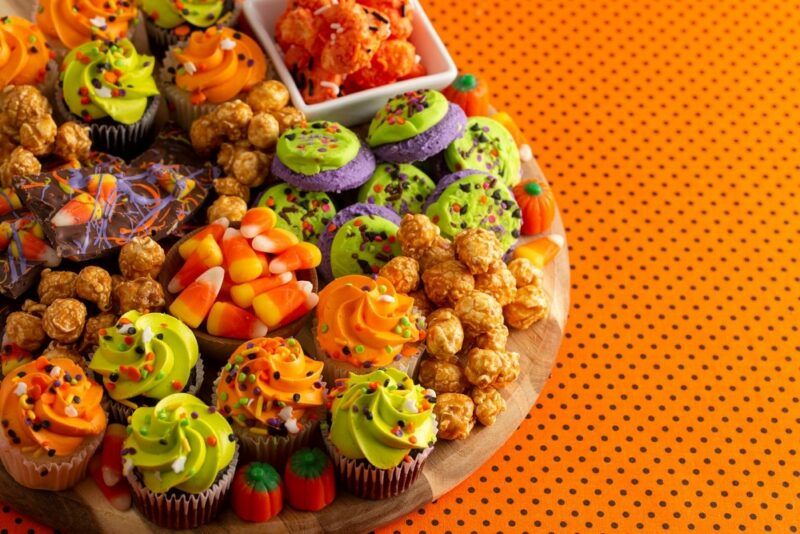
[(33, 307), (141, 256), (510, 370), (442, 377), (64, 319), (525, 272), (488, 404), (494, 339), (231, 119), (402, 272), (20, 162), (445, 335), (263, 131), (94, 285), (56, 285), (416, 233), (25, 330), (454, 413), (440, 251), (73, 141), (23, 104), (269, 96), (144, 295), (228, 152), (447, 282), (479, 250), (483, 366), (250, 167), (205, 136), (7, 145), (529, 306), (289, 117), (93, 325), (499, 283), (231, 187), (57, 350), (422, 303), (233, 208), (479, 312), (38, 136)]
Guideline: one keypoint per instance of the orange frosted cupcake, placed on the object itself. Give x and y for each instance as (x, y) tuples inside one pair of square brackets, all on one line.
[(363, 323), (209, 68), (52, 423), (273, 396), (70, 23), (25, 56)]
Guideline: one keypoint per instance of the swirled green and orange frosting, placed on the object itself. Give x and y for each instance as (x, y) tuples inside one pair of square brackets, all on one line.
[(50, 407), (269, 384), (150, 355), (74, 22), (382, 417), (170, 14), (218, 64), (366, 322), (180, 443), (24, 53), (108, 79)]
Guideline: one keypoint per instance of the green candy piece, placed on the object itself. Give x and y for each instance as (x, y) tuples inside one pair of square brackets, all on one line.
[(485, 146), (304, 213), (362, 245), (406, 116), (96, 71), (200, 13), (478, 200), (402, 187), (320, 146), (308, 463), (262, 477)]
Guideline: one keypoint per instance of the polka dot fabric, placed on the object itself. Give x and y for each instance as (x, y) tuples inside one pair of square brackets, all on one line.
[(669, 133)]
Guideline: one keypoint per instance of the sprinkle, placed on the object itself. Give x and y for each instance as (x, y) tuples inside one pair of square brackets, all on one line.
[(190, 68), (227, 44), (71, 411), (55, 371), (147, 334), (98, 22), (103, 92), (386, 298), (179, 464), (21, 389), (410, 405)]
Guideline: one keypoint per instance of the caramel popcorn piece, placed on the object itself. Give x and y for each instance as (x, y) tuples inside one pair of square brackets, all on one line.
[(144, 295), (7, 145), (483, 366), (447, 282), (269, 96), (263, 131), (20, 162), (510, 370), (402, 272), (141, 256), (422, 303), (233, 208), (25, 330), (56, 285), (93, 325), (205, 136), (525, 272), (23, 104), (454, 413), (416, 233), (231, 187), (479, 250), (499, 283), (73, 141), (529, 306), (494, 339), (38, 136), (251, 167), (231, 119), (440, 251), (442, 377), (33, 307), (58, 350), (64, 320), (94, 285), (479, 312), (488, 404), (289, 117), (445, 335)]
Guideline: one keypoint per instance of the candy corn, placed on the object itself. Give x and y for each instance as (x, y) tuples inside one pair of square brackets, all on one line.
[(6, 233), (111, 459), (300, 256), (172, 181), (79, 210), (257, 221), (243, 294), (228, 320), (9, 201), (119, 495), (216, 228), (241, 261), (541, 251), (284, 304), (264, 262), (103, 187), (194, 302), (33, 248), (275, 241), (208, 254)]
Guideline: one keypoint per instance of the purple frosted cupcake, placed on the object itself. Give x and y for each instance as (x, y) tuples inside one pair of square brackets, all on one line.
[(322, 156), (415, 126)]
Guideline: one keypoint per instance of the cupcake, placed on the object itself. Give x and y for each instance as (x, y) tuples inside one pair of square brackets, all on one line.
[(485, 146), (415, 126), (179, 458), (25, 56), (360, 239), (211, 67), (363, 323), (110, 87), (382, 429), (304, 213), (273, 396), (170, 21), (322, 156), (144, 358), (52, 423), (399, 186)]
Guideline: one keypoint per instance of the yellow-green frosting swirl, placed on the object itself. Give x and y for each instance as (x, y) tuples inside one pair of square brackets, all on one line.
[(180, 444), (171, 13), (382, 417)]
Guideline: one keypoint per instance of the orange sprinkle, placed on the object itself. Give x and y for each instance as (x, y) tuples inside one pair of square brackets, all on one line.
[(211, 441), (412, 439), (176, 385), (357, 223), (182, 30), (110, 77), (197, 98)]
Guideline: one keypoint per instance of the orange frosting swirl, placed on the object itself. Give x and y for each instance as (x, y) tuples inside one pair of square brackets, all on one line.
[(269, 382), (365, 322), (51, 405), (219, 63), (24, 54), (74, 22)]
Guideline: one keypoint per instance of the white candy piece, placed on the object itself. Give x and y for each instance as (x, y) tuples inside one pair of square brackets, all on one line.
[(525, 153), (98, 22), (386, 298), (291, 426), (410, 405), (286, 413), (190, 68), (227, 44), (21, 389), (71, 411), (147, 334), (179, 464), (55, 372), (103, 92)]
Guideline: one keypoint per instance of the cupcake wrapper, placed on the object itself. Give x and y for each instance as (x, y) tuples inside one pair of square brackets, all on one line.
[(183, 511), (369, 482), (162, 39), (44, 473), (179, 102)]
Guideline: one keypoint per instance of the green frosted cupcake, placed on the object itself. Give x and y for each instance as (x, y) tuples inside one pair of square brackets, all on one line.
[(402, 187), (485, 146), (304, 213)]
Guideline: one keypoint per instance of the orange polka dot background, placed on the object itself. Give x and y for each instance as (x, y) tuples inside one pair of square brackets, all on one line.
[(669, 131)]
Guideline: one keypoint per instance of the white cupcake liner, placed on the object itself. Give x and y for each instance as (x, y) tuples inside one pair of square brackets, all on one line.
[(183, 510)]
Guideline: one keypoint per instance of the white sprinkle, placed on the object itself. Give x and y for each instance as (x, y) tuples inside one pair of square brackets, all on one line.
[(417, 59), (190, 68), (103, 92), (386, 298), (330, 85), (336, 26), (71, 411), (147, 334), (525, 153), (285, 413), (227, 44), (179, 464), (430, 393), (55, 372), (291, 426), (322, 10), (98, 22), (410, 405), (22, 389), (127, 466)]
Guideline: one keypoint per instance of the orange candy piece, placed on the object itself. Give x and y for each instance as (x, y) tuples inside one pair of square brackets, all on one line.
[(275, 241), (257, 221), (300, 256), (243, 294), (284, 304), (207, 254), (541, 251), (228, 320), (216, 228), (79, 210), (194, 302), (243, 265)]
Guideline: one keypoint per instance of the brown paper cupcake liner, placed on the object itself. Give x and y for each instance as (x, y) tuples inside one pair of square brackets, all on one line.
[(183, 112)]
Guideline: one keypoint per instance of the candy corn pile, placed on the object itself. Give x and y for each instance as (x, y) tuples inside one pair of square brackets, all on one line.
[(242, 282)]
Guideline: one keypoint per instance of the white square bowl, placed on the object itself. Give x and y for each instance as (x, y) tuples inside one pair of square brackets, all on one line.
[(360, 107)]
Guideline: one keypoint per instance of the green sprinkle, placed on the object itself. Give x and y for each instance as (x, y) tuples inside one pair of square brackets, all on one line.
[(404, 321), (406, 333), (382, 289), (32, 39), (243, 401), (129, 429), (324, 328), (241, 377), (388, 349), (291, 342), (223, 396), (239, 359), (360, 348), (251, 378), (228, 366), (145, 373), (143, 431), (184, 422), (160, 375), (162, 415), (398, 329)]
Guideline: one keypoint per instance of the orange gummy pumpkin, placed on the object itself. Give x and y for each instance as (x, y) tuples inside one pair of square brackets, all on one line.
[(535, 199), (470, 94)]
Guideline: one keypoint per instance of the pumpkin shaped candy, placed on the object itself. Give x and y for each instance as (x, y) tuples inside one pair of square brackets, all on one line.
[(535, 199), (310, 482), (257, 492), (470, 94)]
